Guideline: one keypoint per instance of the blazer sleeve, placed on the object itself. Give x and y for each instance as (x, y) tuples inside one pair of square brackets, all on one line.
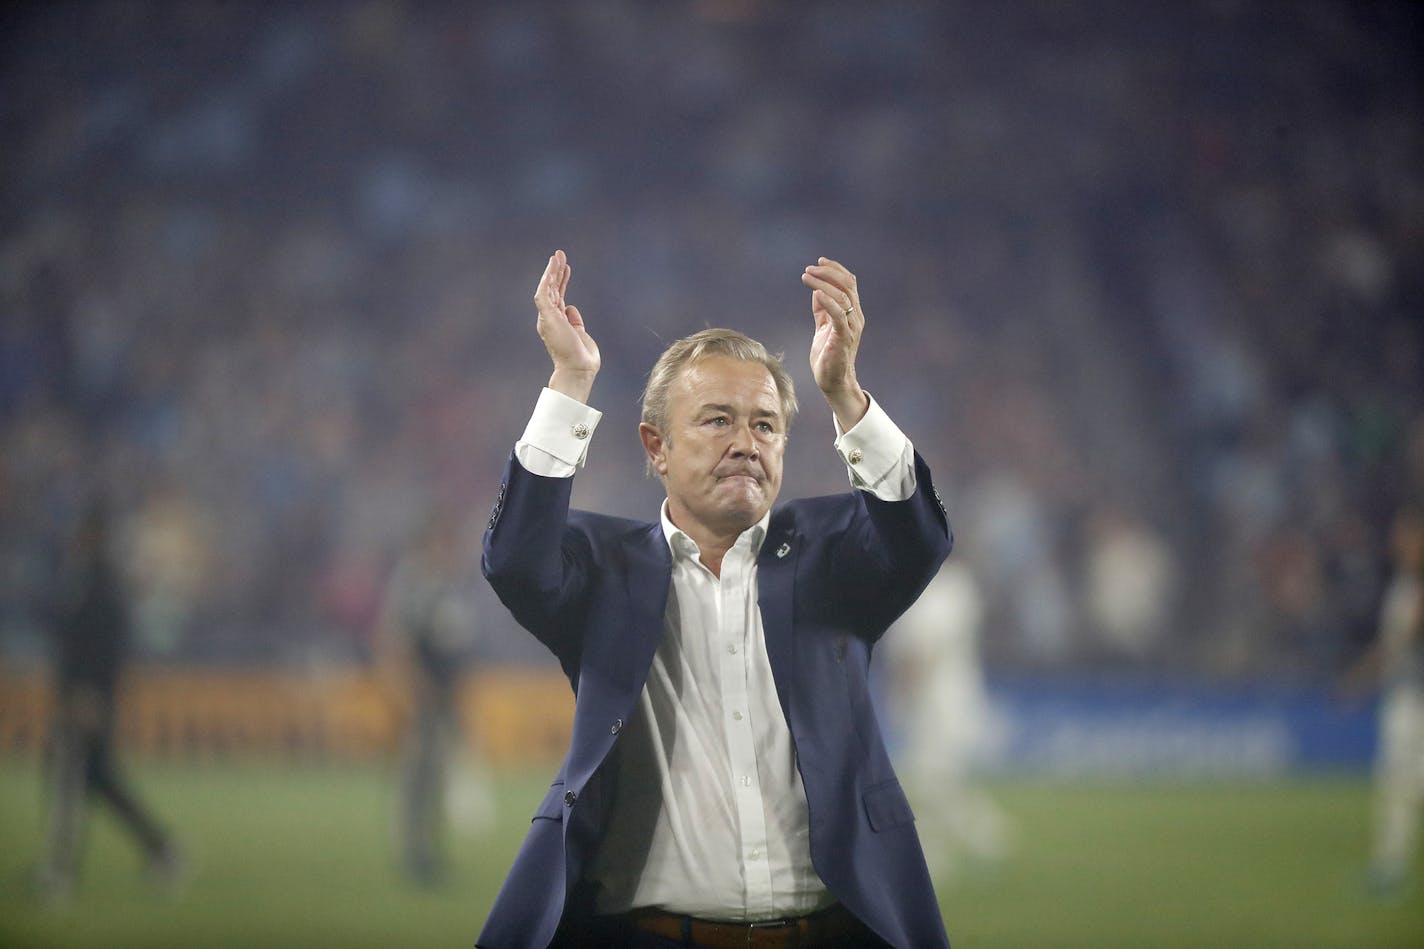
[(892, 549), (536, 563)]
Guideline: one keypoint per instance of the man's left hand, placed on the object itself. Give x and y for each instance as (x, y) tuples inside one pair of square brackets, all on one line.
[(835, 306)]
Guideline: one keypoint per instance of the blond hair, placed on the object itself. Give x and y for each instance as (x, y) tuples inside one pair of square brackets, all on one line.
[(702, 345)]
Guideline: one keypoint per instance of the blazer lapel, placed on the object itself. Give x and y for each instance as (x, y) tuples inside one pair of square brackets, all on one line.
[(648, 579), (776, 573)]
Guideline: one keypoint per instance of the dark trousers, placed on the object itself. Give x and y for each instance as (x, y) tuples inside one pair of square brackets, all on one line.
[(425, 775), (82, 762)]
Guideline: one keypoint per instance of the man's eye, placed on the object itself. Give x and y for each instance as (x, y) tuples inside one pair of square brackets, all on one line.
[(718, 420), (765, 427)]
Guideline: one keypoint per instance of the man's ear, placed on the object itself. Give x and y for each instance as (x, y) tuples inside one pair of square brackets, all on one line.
[(655, 446)]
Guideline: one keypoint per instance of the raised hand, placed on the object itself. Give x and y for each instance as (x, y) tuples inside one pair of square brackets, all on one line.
[(561, 327), (835, 307)]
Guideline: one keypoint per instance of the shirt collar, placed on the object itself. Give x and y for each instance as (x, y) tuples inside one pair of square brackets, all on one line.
[(684, 547)]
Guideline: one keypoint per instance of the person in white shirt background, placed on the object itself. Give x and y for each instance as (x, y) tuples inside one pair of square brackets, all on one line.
[(1395, 661), (938, 698)]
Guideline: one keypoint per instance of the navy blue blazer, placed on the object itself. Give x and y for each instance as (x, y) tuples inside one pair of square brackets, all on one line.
[(833, 573)]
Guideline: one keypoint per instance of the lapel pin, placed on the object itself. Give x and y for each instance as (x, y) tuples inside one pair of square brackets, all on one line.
[(783, 550)]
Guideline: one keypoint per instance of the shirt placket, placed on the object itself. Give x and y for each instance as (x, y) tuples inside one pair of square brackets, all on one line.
[(733, 605)]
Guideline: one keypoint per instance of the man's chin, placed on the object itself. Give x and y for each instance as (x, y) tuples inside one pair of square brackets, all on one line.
[(747, 502)]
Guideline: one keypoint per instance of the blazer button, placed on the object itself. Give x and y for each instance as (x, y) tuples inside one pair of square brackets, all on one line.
[(569, 798), (498, 506), (617, 727)]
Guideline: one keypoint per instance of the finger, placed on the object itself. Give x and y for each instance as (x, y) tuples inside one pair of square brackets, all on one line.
[(836, 301), (819, 314), (834, 275), (833, 309), (818, 277), (564, 272), (547, 280), (830, 275), (573, 315), (840, 271), (843, 297), (551, 287)]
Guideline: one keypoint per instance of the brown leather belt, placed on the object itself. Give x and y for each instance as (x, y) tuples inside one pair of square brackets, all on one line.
[(828, 927)]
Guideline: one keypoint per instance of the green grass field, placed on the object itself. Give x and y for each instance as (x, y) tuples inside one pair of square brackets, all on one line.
[(302, 856)]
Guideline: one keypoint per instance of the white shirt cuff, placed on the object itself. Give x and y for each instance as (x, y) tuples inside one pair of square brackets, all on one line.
[(555, 442), (879, 457)]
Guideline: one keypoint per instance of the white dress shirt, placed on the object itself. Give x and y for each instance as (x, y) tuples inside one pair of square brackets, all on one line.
[(709, 815)]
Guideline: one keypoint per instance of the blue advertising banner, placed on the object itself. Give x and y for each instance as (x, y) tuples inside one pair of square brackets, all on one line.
[(1136, 728), (1141, 728)]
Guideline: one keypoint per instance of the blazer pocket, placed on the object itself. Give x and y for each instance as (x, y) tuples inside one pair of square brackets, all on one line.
[(886, 806), (552, 807)]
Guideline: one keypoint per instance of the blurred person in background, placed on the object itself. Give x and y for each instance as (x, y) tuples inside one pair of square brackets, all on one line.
[(726, 781), (939, 699), (1131, 582), (92, 630), (1396, 661), (423, 640)]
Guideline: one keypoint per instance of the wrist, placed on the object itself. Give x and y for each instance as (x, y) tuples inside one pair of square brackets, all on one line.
[(574, 383), (849, 405)]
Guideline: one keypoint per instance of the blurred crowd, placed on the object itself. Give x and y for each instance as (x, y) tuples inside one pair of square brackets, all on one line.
[(1143, 283)]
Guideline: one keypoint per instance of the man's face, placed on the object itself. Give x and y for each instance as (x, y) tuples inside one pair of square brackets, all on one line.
[(721, 457)]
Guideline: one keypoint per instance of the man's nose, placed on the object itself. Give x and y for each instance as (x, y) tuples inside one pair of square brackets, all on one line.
[(744, 442)]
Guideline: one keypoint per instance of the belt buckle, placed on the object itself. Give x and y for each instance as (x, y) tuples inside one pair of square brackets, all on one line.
[(767, 925)]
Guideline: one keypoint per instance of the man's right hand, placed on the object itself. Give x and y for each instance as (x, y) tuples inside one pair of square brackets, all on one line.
[(572, 350)]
